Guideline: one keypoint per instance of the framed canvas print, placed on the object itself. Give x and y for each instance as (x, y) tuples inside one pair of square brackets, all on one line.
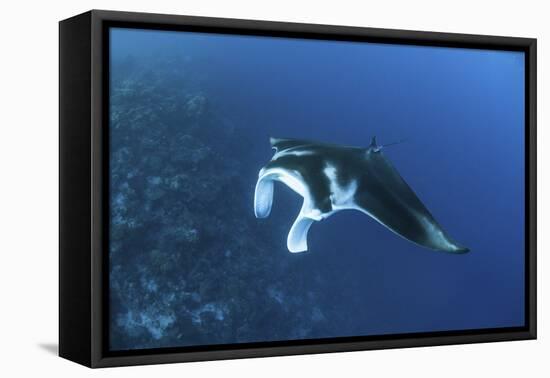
[(234, 188)]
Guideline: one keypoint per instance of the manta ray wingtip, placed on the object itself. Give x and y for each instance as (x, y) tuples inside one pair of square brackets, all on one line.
[(462, 250), (455, 248)]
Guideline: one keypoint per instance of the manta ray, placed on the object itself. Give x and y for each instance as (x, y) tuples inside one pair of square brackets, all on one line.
[(331, 178)]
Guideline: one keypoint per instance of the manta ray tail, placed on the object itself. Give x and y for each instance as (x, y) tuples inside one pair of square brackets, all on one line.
[(378, 147)]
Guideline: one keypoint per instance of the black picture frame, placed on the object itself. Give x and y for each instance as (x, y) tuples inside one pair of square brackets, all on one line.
[(83, 195)]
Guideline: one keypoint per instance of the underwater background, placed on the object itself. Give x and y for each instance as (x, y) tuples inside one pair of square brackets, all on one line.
[(190, 119)]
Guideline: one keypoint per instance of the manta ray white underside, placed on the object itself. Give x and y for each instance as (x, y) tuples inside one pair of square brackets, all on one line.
[(341, 199), (332, 178)]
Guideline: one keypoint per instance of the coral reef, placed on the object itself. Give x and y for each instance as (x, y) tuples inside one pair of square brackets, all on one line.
[(189, 263)]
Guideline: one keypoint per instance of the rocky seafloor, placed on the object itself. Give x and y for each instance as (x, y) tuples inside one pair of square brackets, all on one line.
[(189, 263)]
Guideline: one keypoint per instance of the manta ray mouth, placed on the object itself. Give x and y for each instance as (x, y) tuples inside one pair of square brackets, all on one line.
[(263, 201), (263, 195)]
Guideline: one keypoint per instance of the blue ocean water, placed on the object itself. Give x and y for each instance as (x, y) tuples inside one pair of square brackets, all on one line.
[(190, 119)]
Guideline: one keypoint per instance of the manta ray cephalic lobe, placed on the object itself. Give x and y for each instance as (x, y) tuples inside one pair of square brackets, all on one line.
[(331, 178)]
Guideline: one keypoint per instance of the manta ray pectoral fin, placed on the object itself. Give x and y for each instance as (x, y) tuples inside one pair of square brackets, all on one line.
[(385, 196), (263, 197), (419, 228), (297, 237), (280, 144)]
